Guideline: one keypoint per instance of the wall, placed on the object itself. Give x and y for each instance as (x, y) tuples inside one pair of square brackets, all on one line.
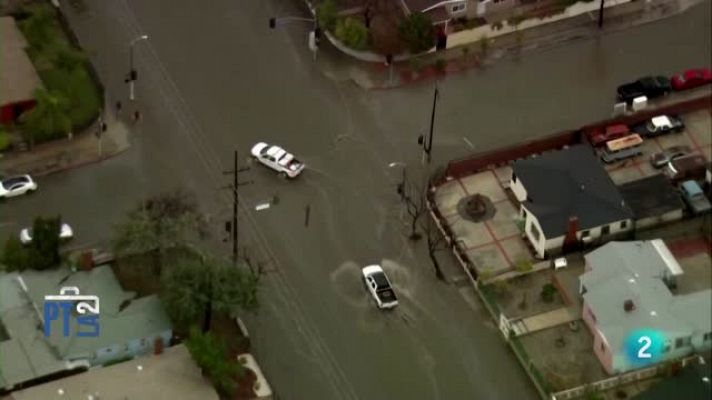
[(670, 216), (600, 346), (519, 191)]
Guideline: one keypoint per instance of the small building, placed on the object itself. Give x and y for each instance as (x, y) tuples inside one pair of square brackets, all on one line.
[(129, 326), (627, 286), (567, 199), (653, 200), (170, 375), (18, 77)]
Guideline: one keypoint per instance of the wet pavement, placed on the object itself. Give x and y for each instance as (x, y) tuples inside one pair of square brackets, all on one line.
[(215, 78)]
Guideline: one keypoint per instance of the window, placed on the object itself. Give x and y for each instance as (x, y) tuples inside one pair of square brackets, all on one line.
[(456, 8), (606, 230), (535, 232), (682, 341), (666, 348), (624, 224), (707, 336)]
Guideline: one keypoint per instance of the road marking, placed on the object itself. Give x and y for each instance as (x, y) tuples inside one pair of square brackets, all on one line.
[(472, 146)]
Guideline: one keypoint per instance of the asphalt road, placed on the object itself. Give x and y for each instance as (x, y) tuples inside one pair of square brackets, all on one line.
[(215, 78)]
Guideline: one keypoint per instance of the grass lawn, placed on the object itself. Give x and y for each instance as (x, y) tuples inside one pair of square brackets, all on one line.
[(77, 86)]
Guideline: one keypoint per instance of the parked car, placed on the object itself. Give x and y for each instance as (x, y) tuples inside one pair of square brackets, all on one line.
[(659, 159), (691, 166), (379, 286), (65, 234), (599, 137), (691, 78), (277, 159), (660, 125), (649, 86), (694, 197), (16, 186)]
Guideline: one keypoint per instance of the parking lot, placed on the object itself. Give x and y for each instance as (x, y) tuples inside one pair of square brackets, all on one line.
[(697, 135)]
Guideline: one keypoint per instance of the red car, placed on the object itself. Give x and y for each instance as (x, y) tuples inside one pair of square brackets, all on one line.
[(691, 78), (599, 137)]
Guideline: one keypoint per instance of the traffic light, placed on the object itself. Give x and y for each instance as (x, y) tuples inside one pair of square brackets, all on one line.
[(389, 59), (420, 140), (272, 23), (133, 75)]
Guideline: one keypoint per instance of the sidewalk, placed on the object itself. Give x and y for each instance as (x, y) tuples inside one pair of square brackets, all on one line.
[(530, 35), (63, 154)]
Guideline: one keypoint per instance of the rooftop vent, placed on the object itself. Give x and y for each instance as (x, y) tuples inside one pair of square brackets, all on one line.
[(628, 305)]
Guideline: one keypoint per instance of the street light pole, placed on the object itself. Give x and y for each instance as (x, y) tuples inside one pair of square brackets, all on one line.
[(132, 72), (600, 15), (428, 146)]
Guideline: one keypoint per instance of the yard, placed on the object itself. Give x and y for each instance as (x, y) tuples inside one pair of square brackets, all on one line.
[(63, 69), (522, 296)]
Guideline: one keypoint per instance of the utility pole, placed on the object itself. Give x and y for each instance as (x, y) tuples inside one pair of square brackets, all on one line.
[(600, 15), (428, 147), (235, 185)]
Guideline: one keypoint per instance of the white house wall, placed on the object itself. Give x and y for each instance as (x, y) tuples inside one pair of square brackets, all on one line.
[(518, 189)]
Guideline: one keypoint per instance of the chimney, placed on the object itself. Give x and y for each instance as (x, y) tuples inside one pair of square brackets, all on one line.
[(628, 305), (570, 240)]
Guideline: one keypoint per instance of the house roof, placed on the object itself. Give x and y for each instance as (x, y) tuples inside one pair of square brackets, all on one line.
[(18, 78), (25, 355), (622, 271), (142, 317), (693, 382), (570, 183), (28, 354), (171, 375), (651, 196)]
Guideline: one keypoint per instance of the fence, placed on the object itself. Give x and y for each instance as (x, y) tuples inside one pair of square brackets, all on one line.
[(630, 377)]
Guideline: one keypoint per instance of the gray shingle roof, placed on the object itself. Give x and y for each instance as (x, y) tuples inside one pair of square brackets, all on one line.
[(570, 183), (623, 271)]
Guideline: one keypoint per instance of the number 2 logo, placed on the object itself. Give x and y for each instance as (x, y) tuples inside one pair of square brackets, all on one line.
[(646, 343)]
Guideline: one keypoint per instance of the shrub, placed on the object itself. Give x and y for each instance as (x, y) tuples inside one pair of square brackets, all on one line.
[(352, 32), (326, 14), (417, 32), (416, 63), (5, 140), (523, 265), (14, 256), (484, 44), (548, 291), (440, 64)]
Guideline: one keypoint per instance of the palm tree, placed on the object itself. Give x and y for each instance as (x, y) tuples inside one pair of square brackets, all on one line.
[(48, 118)]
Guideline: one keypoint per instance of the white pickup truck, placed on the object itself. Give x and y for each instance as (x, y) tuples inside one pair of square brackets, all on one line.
[(379, 286), (277, 159)]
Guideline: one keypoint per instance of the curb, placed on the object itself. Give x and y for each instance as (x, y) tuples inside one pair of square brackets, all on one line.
[(82, 163)]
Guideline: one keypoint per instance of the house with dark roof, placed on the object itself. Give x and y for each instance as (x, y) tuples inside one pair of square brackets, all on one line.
[(653, 201), (567, 199), (627, 287)]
